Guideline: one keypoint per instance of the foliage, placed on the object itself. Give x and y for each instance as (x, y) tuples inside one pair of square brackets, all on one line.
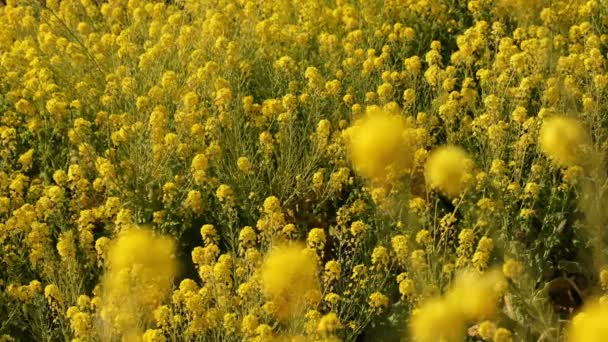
[(164, 163)]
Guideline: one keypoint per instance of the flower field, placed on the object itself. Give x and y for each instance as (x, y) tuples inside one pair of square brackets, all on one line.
[(316, 170)]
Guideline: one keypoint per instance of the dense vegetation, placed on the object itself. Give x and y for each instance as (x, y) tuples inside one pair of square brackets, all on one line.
[(282, 170)]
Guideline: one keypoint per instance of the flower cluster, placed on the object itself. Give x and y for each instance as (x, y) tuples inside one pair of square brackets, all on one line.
[(248, 170)]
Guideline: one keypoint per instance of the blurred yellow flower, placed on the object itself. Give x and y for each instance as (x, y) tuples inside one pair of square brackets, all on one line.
[(589, 325), (564, 139), (448, 169), (472, 297), (141, 268), (381, 143), (287, 274)]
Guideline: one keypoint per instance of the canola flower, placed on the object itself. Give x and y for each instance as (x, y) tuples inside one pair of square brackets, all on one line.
[(140, 271), (589, 324), (436, 320), (448, 169), (237, 127), (288, 274), (564, 140), (471, 298), (381, 143)]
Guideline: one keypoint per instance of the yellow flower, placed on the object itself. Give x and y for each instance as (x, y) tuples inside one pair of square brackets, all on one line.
[(66, 247), (448, 169), (81, 323), (357, 227), (247, 237), (380, 256), (26, 159), (154, 335), (512, 269), (56, 107), (435, 321), (399, 244), (289, 231), (264, 332), (378, 195), (230, 323), (563, 139), (286, 275), (225, 194), (338, 178), (141, 268), (418, 260), (266, 142), (472, 297), (249, 324), (317, 180), (378, 301), (409, 96), (589, 325), (190, 100), (329, 324), (385, 92), (423, 237), (571, 175), (503, 335), (381, 143), (194, 201), (476, 295), (244, 165), (60, 177), (53, 294), (23, 106), (604, 278), (316, 239), (481, 257), (332, 271), (199, 167), (209, 234), (487, 330), (407, 287), (162, 315), (271, 205), (417, 204), (36, 287), (83, 302), (332, 87)]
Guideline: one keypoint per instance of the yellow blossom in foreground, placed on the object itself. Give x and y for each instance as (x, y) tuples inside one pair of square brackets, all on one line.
[(476, 295), (563, 139), (436, 321), (141, 268), (288, 273), (472, 297), (589, 325), (381, 143), (448, 169)]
